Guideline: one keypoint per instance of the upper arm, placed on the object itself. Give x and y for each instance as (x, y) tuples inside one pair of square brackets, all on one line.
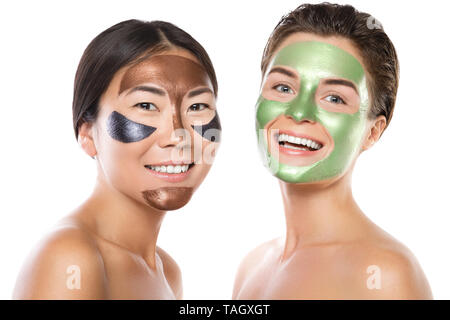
[(64, 265), (172, 273)]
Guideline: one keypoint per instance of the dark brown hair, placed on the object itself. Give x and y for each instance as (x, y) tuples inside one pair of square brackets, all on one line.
[(120, 45), (366, 33)]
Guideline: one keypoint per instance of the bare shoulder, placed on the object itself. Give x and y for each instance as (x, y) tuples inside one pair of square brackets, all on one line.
[(252, 259), (65, 264), (172, 272), (386, 269), (257, 253)]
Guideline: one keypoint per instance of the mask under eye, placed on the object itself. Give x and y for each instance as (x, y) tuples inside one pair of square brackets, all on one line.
[(125, 130), (210, 131)]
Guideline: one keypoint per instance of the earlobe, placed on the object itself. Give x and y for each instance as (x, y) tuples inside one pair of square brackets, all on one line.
[(374, 133), (85, 139)]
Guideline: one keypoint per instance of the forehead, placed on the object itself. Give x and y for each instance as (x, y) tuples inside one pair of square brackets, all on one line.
[(316, 59), (169, 71)]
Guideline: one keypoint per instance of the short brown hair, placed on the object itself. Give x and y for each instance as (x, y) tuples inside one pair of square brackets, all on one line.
[(368, 36), (120, 45)]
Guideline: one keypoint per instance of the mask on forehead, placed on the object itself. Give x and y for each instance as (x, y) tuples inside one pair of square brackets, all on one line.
[(314, 61)]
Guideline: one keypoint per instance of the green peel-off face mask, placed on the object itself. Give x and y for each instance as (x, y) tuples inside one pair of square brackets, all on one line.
[(314, 61)]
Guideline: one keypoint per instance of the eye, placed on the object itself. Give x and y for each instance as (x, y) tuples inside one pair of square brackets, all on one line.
[(198, 107), (146, 106), (334, 99), (283, 89)]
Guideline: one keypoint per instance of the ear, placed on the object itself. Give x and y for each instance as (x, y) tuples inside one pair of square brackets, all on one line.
[(374, 133), (85, 139)]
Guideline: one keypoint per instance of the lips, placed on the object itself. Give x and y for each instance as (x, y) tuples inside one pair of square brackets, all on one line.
[(172, 172), (293, 143)]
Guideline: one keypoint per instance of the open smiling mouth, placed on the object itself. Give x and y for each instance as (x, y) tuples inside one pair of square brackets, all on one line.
[(171, 168), (298, 143)]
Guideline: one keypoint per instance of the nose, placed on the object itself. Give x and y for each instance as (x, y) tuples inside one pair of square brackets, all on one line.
[(303, 107), (172, 132)]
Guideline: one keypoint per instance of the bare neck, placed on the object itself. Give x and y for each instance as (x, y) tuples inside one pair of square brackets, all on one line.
[(319, 213), (122, 220)]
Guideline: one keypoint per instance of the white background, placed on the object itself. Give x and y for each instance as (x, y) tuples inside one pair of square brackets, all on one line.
[(402, 183)]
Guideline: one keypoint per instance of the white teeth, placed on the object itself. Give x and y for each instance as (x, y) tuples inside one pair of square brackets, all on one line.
[(293, 147), (291, 139), (300, 141), (170, 168)]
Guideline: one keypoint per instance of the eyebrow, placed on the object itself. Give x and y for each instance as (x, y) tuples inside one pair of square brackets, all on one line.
[(148, 89), (284, 71), (197, 92), (341, 82)]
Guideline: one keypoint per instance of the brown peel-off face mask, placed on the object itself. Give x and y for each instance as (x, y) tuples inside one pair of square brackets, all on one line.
[(180, 80), (176, 74), (168, 198)]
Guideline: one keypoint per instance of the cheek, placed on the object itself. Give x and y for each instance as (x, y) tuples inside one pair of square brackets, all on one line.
[(203, 150), (210, 129), (209, 150), (123, 140), (267, 110), (346, 130), (202, 169), (119, 160)]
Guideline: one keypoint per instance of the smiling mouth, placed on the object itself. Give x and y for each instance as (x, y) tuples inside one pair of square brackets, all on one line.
[(298, 143), (171, 168)]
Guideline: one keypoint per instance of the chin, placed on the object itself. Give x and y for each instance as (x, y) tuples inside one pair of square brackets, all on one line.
[(168, 198)]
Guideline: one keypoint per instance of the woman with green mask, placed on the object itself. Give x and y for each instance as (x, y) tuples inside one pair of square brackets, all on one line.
[(330, 78)]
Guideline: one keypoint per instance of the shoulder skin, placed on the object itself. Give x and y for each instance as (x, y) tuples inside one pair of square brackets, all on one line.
[(389, 273), (172, 273), (250, 260), (66, 264)]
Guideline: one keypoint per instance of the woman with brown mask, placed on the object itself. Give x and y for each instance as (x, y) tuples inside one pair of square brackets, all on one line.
[(144, 108)]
